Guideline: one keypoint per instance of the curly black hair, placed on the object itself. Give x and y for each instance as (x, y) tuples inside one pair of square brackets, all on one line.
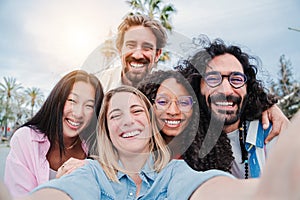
[(211, 147), (258, 100), (217, 154), (150, 85)]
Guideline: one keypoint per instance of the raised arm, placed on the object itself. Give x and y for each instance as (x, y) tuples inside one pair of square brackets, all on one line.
[(226, 188), (278, 119), (47, 194), (280, 179)]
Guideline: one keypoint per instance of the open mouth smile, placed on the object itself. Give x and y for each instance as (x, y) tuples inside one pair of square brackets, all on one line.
[(130, 134)]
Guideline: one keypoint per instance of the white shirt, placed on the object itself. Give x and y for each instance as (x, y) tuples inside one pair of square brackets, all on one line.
[(261, 154), (111, 78)]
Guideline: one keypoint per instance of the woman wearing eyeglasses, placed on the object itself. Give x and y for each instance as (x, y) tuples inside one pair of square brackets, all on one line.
[(175, 108), (181, 123)]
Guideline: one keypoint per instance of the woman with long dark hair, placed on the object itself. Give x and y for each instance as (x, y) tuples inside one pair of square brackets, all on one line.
[(44, 147)]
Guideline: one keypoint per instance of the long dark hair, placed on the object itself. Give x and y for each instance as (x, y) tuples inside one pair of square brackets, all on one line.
[(48, 120)]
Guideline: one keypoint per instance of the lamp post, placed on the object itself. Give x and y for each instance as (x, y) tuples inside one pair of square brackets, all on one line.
[(294, 29)]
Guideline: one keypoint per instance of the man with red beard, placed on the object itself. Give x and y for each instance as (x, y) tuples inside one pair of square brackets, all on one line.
[(231, 97), (140, 40)]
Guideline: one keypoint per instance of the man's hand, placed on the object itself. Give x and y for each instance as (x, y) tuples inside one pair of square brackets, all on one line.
[(278, 119)]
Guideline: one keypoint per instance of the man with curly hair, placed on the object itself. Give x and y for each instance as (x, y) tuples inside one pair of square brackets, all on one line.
[(232, 99)]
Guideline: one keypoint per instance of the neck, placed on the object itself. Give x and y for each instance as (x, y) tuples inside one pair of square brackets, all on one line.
[(231, 127), (71, 142), (167, 138), (175, 145), (133, 164), (125, 80)]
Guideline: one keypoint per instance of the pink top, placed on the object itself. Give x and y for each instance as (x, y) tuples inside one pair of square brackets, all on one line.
[(26, 164)]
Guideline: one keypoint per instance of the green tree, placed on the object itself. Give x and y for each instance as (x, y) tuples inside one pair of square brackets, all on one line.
[(20, 110), (9, 92), (155, 10), (36, 98), (287, 89)]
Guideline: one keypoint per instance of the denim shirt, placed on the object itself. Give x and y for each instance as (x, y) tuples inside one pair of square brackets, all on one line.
[(176, 181)]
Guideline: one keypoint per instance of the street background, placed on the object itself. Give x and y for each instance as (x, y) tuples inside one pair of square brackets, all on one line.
[(4, 149)]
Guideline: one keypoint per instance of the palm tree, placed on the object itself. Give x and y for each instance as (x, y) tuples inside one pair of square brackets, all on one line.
[(9, 92), (36, 98), (153, 9)]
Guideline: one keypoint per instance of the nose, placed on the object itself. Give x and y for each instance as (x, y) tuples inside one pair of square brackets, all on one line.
[(173, 108), (77, 111), (128, 119), (226, 86), (137, 53)]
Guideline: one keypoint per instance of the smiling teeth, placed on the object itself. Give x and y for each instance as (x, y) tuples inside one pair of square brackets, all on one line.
[(172, 122), (137, 65), (224, 103), (73, 123), (131, 134)]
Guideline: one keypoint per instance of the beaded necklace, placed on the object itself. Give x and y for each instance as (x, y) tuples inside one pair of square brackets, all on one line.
[(242, 137)]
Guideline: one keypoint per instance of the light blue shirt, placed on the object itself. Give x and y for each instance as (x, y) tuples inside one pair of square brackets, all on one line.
[(176, 181)]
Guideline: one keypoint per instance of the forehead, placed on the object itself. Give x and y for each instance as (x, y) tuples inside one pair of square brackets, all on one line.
[(124, 100), (225, 63), (170, 86), (83, 89), (140, 34)]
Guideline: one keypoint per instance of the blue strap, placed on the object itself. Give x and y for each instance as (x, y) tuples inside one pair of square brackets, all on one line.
[(260, 138), (262, 135)]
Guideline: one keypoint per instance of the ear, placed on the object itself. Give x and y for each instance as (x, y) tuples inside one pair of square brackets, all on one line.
[(157, 54)]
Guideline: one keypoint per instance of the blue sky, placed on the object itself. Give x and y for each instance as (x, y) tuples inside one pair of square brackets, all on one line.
[(42, 40)]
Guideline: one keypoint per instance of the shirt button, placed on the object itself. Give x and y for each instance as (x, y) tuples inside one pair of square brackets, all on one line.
[(130, 193)]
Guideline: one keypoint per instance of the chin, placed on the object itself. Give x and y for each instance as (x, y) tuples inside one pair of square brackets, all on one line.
[(171, 133)]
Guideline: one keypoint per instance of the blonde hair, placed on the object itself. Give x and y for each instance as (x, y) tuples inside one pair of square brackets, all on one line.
[(108, 154), (142, 20)]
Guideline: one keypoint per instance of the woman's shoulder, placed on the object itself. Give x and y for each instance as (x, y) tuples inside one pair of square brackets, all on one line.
[(177, 164), (26, 133), (94, 164)]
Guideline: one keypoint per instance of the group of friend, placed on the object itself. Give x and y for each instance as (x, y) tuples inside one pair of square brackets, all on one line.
[(193, 132)]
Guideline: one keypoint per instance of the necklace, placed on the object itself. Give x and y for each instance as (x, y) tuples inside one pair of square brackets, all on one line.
[(72, 145), (242, 138)]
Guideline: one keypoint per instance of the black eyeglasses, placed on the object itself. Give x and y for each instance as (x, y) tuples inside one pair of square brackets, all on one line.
[(184, 103), (215, 78)]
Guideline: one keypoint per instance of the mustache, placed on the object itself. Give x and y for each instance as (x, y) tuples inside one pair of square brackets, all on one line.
[(223, 97), (140, 60)]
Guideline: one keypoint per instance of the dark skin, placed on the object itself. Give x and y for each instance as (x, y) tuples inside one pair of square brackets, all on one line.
[(53, 156)]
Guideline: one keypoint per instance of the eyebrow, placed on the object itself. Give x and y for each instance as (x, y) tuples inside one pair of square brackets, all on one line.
[(136, 105), (114, 110), (89, 100), (132, 106), (143, 43), (130, 42)]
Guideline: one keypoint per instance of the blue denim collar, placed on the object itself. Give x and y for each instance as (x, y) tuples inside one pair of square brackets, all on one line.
[(147, 169)]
